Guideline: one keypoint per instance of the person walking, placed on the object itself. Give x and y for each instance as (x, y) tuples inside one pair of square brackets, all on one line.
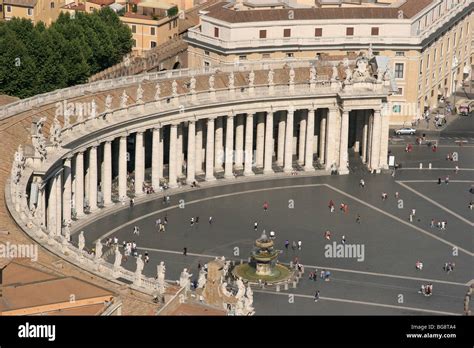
[(197, 220), (265, 206), (185, 251), (358, 218), (439, 181), (136, 230), (299, 244), (316, 296), (446, 180), (286, 244), (432, 224), (192, 221), (362, 183), (331, 206), (343, 240), (210, 220), (255, 226), (293, 245)]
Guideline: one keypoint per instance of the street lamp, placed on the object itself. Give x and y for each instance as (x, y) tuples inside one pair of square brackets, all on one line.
[(454, 103)]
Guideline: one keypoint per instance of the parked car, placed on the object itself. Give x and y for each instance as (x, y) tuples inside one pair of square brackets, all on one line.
[(405, 131)]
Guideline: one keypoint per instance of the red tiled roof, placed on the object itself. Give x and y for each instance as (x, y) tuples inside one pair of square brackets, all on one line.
[(102, 2), (410, 8)]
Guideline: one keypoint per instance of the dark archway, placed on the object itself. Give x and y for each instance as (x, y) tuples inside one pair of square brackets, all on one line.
[(177, 65)]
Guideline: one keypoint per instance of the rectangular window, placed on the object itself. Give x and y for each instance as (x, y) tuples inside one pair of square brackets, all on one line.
[(375, 31), (30, 12), (399, 70), (263, 34), (318, 32), (206, 64), (290, 55), (169, 25), (399, 91), (266, 55), (242, 57), (152, 44), (206, 53), (349, 31), (216, 32), (9, 8), (400, 54), (134, 29), (397, 109), (134, 43), (1, 8), (286, 32), (152, 31), (52, 4)]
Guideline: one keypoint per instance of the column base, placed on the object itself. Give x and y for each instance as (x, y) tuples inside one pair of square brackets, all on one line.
[(343, 171), (190, 181), (279, 164), (249, 173), (210, 178), (108, 204), (238, 167), (309, 169), (229, 176), (300, 162), (288, 169), (173, 185), (268, 171)]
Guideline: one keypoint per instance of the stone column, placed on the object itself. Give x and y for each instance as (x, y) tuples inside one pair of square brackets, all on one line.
[(370, 122), (219, 144), (343, 169), (268, 143), (139, 163), (248, 145), (210, 150), (179, 150), (375, 144), (229, 147), (364, 137), (67, 195), (260, 140), (308, 161), (322, 139), (331, 129), (199, 147), (122, 168), (42, 206), (172, 179), (358, 131), (191, 169), (383, 162), (302, 140), (156, 158), (59, 205), (79, 180), (281, 140), (107, 179), (289, 141), (93, 178), (52, 206), (239, 142)]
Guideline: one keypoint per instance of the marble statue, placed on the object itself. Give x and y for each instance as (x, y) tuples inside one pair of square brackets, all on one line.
[(140, 94), (174, 88), (18, 165), (108, 102), (192, 84), (160, 276), (241, 288), (361, 71), (118, 258), (249, 293), (39, 125), (387, 75), (251, 78), (67, 233), (292, 76), (98, 249), (202, 278), (211, 82), (184, 279), (81, 241), (348, 73), (224, 290), (39, 143), (225, 269), (67, 117), (55, 132), (335, 74), (123, 100), (271, 73), (312, 74), (157, 92), (140, 265), (93, 113), (380, 74), (370, 53), (231, 80)]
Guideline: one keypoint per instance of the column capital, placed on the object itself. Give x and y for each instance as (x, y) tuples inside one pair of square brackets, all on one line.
[(346, 111), (269, 110), (291, 109), (108, 141), (377, 112), (211, 118), (157, 127)]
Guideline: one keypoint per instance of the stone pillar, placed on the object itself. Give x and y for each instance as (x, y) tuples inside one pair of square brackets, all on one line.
[(289, 141), (322, 139), (239, 142), (179, 150), (331, 129), (79, 180), (122, 167), (358, 131), (156, 158), (198, 147), (191, 167), (107, 179), (308, 161), (383, 162), (42, 206), (229, 147), (370, 122), (260, 140), (52, 206), (344, 140), (219, 144), (59, 205), (375, 144), (210, 150), (248, 145), (139, 163), (302, 140), (172, 179), (281, 140), (364, 137), (93, 178), (268, 143), (67, 195)]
